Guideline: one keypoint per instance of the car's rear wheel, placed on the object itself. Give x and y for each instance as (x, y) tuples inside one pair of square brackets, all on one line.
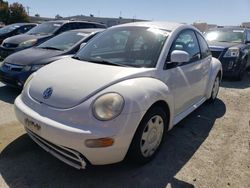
[(149, 135), (215, 89)]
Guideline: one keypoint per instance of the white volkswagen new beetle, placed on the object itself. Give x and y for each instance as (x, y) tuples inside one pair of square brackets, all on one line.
[(120, 93)]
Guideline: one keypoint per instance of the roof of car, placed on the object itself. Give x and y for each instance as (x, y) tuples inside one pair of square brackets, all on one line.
[(21, 24), (227, 28), (87, 30), (72, 21), (161, 25)]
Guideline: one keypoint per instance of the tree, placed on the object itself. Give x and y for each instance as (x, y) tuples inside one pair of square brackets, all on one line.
[(58, 17), (17, 13), (4, 11)]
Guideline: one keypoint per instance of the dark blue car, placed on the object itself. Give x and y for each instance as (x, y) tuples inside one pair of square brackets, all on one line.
[(41, 33), (231, 45), (17, 67)]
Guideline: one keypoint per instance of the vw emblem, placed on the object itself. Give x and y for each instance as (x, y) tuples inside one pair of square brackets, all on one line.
[(47, 93)]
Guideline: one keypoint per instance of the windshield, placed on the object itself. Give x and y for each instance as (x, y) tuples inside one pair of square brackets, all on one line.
[(63, 41), (125, 46), (9, 28), (45, 28), (236, 36)]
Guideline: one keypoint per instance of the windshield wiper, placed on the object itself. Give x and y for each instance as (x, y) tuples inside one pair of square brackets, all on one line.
[(50, 48), (103, 61), (76, 57)]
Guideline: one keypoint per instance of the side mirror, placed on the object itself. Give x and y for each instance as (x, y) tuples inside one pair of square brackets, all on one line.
[(179, 56), (82, 45)]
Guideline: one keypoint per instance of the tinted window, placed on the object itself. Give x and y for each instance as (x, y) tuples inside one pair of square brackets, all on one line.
[(225, 35), (85, 25), (187, 42), (131, 46), (205, 51), (65, 27), (45, 28), (63, 41)]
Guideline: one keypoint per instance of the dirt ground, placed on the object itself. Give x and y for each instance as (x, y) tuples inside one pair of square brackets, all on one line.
[(210, 148)]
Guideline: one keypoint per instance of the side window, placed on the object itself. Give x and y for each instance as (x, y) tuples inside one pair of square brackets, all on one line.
[(74, 26), (187, 42), (248, 35), (85, 25), (205, 51), (64, 28)]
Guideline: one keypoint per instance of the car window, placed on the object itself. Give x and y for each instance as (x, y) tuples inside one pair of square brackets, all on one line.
[(248, 35), (74, 26), (45, 28), (130, 46), (9, 28), (205, 51), (187, 42), (23, 29), (64, 41), (85, 25), (225, 35), (65, 27)]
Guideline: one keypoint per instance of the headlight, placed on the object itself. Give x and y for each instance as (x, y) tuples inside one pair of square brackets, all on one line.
[(28, 43), (232, 52), (108, 106), (28, 80), (27, 68), (36, 67)]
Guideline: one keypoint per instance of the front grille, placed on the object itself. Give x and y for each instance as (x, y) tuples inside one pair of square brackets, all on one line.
[(12, 67), (10, 45), (216, 54), (69, 156)]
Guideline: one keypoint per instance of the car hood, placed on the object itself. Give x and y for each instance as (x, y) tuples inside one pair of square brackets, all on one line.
[(24, 37), (223, 45), (75, 81), (32, 56)]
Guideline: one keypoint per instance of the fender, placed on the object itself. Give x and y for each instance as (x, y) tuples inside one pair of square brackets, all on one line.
[(215, 68), (141, 93)]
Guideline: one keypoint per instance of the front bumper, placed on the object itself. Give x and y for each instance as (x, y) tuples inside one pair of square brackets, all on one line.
[(231, 66), (5, 52), (14, 79), (67, 143)]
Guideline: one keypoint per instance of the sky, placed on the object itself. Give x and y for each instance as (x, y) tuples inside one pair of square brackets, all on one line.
[(221, 12)]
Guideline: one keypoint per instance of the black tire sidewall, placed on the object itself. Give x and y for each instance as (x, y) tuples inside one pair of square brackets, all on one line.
[(135, 148)]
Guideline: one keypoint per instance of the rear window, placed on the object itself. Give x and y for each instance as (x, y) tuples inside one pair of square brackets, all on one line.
[(45, 28)]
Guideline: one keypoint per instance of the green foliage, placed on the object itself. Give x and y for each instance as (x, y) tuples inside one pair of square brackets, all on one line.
[(12, 13), (4, 11)]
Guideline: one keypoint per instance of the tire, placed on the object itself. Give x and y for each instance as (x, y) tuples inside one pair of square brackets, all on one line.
[(215, 89), (240, 76), (149, 136)]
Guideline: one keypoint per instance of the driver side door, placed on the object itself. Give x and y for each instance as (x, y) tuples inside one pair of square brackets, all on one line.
[(187, 77)]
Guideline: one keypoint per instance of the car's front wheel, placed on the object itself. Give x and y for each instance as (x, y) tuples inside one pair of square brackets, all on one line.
[(215, 89), (149, 135)]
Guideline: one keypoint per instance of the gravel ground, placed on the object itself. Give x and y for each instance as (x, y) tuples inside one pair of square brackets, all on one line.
[(209, 148)]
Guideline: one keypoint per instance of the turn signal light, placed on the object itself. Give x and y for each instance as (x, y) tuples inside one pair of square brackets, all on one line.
[(99, 143)]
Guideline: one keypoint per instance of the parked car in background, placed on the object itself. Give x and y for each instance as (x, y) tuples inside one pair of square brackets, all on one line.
[(41, 33), (15, 29), (2, 24), (231, 45), (17, 67), (119, 94)]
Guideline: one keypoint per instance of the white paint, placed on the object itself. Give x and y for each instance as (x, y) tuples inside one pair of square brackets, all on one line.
[(66, 119)]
